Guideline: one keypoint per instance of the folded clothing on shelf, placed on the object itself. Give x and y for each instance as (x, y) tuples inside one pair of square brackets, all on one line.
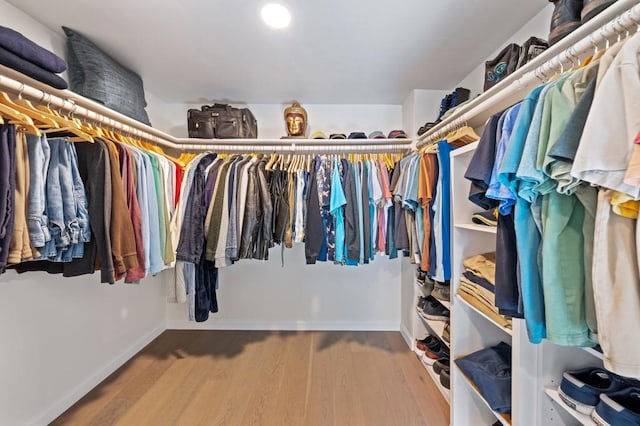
[(483, 266), (490, 370), (13, 61), (479, 292), (474, 279), (23, 55), (484, 307), (26, 49)]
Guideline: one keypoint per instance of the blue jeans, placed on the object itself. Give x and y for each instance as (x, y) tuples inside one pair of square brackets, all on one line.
[(490, 370), (37, 220)]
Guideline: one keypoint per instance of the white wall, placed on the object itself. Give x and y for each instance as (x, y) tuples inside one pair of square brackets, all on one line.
[(172, 117), (62, 336), (538, 26), (263, 295)]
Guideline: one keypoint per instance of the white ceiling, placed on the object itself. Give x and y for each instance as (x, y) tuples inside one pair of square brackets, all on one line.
[(334, 52)]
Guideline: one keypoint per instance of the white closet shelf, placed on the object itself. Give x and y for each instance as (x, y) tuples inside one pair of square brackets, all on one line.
[(505, 419), (301, 142), (464, 149), (477, 227), (81, 107), (446, 393), (461, 301), (594, 352), (582, 418), (437, 327)]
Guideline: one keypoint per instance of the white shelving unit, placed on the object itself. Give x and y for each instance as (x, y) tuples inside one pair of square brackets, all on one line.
[(583, 419), (536, 369), (504, 419), (446, 393), (485, 316), (436, 327), (471, 329), (476, 227)]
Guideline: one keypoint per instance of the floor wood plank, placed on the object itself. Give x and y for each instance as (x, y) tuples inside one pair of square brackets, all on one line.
[(266, 378)]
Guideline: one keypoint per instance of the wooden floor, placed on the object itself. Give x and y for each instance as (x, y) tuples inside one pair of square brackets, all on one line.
[(266, 378)]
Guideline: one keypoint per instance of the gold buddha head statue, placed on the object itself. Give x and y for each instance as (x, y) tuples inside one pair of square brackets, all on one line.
[(295, 118)]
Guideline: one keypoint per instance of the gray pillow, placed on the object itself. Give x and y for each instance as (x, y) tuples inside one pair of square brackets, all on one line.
[(97, 76)]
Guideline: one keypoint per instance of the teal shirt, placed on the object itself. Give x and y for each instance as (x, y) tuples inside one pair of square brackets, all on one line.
[(336, 207)]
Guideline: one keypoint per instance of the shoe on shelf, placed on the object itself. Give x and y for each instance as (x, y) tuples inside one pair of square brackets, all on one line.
[(487, 217), (442, 291), (432, 309), (591, 8), (420, 305), (428, 342), (445, 379), (441, 364), (618, 408), (565, 19), (427, 126), (581, 389), (435, 352), (446, 333), (420, 276)]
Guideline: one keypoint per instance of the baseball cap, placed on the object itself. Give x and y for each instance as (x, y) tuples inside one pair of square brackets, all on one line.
[(397, 134), (319, 135), (337, 136), (377, 135), (357, 135)]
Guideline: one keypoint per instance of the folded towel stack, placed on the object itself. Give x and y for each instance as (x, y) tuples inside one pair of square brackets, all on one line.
[(23, 55)]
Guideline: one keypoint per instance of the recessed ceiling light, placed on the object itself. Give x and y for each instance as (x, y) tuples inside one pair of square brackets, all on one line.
[(275, 15)]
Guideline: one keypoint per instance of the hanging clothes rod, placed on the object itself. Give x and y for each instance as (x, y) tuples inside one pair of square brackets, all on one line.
[(293, 148), (620, 18), (78, 106)]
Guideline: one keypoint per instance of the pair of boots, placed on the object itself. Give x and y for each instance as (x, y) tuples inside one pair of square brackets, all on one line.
[(568, 15), (453, 99)]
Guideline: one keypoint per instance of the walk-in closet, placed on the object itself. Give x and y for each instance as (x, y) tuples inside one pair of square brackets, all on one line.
[(320, 213)]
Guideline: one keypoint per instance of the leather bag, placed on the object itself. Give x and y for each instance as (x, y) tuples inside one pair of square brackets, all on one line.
[(221, 121)]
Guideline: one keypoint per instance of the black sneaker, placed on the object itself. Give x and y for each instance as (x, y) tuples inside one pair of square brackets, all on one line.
[(565, 19), (429, 342), (591, 8), (445, 379), (435, 353), (432, 309), (488, 217), (441, 364), (424, 129)]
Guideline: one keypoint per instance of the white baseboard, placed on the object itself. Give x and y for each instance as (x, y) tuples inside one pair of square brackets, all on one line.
[(83, 388), (407, 336), (283, 325)]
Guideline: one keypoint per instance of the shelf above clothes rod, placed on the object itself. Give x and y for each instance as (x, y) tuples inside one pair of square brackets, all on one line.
[(78, 106), (609, 23)]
